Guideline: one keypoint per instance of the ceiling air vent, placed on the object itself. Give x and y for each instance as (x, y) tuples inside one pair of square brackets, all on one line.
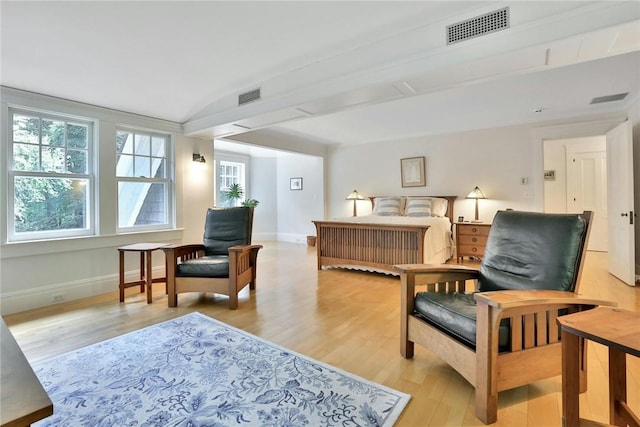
[(478, 26), (609, 98), (247, 97)]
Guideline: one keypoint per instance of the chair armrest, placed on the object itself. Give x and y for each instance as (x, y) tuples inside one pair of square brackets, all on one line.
[(177, 251), (522, 298), (244, 248), (433, 268)]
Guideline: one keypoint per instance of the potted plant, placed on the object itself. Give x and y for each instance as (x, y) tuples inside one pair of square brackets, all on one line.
[(235, 193)]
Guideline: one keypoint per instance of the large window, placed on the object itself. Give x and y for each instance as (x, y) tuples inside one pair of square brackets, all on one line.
[(50, 176), (144, 180)]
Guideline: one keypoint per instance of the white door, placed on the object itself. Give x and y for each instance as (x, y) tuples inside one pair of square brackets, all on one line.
[(620, 203), (587, 191)]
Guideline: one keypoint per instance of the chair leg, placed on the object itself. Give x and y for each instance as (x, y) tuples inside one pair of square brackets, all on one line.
[(486, 364), (172, 296)]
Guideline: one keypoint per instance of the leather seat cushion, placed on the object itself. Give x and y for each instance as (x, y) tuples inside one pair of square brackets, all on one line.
[(455, 314), (206, 266)]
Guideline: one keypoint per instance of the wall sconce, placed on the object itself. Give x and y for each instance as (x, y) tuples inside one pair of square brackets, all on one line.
[(355, 196), (198, 158), (476, 193)]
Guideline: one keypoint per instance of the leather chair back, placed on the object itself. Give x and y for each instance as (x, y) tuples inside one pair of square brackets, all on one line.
[(227, 227), (528, 250)]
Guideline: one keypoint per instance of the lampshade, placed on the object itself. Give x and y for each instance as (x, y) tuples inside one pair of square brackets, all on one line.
[(476, 193), (354, 195)]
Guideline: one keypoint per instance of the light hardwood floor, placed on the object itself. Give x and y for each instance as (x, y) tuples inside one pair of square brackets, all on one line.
[(347, 319)]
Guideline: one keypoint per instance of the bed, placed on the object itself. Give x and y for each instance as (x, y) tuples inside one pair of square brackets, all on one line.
[(393, 234)]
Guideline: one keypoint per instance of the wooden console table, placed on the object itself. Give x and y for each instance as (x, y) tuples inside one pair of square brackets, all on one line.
[(615, 328), (146, 279), (23, 400)]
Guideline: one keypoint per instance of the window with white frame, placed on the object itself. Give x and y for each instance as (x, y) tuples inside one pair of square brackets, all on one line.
[(143, 174), (51, 177), (230, 172)]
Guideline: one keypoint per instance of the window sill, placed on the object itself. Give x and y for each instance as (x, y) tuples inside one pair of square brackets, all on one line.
[(43, 247)]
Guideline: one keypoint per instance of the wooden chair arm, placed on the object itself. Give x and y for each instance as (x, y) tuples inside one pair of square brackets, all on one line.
[(173, 252), (522, 298), (433, 268), (244, 248)]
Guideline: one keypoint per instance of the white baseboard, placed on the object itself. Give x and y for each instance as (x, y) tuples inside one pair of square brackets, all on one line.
[(15, 302), (293, 238)]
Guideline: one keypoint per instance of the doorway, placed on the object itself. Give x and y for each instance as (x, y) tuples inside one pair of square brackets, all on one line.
[(576, 180)]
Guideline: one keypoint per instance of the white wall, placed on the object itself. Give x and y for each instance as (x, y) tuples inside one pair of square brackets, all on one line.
[(634, 117), (494, 160), (263, 180), (297, 208), (32, 273)]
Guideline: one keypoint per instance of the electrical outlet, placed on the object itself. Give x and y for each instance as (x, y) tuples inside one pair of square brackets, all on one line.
[(524, 180), (57, 297)]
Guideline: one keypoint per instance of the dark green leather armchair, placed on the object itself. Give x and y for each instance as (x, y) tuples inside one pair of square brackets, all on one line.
[(224, 263), (503, 334)]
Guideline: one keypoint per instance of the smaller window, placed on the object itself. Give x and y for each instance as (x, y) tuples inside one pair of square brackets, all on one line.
[(229, 173), (145, 195)]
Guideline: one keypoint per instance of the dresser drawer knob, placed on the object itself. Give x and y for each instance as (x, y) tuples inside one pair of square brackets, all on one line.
[(474, 249), (475, 239), (475, 230)]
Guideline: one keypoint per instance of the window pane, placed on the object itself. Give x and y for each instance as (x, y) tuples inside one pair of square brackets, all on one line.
[(124, 166), (77, 136), (53, 132), (157, 146), (46, 204), (158, 165), (26, 157), (143, 145), (77, 161), (53, 159), (26, 129), (142, 166), (124, 142), (142, 203)]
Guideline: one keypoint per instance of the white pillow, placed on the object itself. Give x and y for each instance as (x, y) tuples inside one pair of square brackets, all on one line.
[(418, 207), (438, 205), (387, 206)]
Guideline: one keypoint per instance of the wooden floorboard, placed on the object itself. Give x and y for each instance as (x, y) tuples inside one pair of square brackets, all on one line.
[(348, 319)]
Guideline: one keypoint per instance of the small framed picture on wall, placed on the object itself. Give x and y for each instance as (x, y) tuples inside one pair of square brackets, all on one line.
[(412, 172), (295, 183)]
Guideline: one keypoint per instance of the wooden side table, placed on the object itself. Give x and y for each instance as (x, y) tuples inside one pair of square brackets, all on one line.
[(471, 239), (615, 328), (146, 279)]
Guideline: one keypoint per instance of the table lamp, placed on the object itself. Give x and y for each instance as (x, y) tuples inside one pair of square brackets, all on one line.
[(355, 196), (476, 193)]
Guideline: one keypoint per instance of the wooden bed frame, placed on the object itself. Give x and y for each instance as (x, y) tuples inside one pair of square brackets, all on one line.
[(375, 246)]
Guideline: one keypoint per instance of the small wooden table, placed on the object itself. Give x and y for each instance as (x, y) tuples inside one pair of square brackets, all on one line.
[(23, 400), (615, 328), (146, 279)]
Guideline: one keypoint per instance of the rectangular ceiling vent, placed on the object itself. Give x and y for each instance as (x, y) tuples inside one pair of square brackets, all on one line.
[(609, 98), (478, 26), (247, 97)]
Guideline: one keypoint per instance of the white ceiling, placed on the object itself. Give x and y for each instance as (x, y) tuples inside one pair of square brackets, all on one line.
[(330, 72)]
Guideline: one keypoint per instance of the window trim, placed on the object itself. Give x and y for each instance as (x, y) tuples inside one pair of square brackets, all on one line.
[(90, 204)]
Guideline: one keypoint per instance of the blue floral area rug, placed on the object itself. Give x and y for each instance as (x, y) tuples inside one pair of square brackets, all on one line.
[(196, 371)]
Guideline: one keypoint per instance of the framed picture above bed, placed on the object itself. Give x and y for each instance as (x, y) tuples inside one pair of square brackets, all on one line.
[(412, 172)]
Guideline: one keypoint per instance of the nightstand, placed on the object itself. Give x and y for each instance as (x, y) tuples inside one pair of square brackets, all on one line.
[(471, 239)]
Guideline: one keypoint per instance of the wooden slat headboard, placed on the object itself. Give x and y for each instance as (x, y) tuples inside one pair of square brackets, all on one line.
[(450, 202)]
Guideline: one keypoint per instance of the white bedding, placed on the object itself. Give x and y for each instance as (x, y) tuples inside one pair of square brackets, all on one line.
[(438, 242)]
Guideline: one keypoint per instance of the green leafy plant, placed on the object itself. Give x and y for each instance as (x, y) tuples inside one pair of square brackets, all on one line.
[(250, 203), (235, 193)]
